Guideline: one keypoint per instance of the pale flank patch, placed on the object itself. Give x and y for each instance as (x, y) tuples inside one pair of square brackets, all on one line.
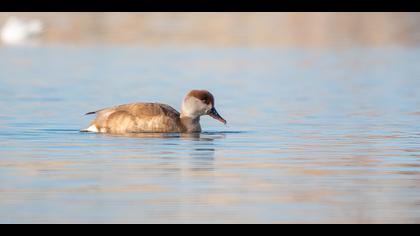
[(92, 128)]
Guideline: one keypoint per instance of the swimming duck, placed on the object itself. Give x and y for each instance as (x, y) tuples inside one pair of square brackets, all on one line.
[(156, 117)]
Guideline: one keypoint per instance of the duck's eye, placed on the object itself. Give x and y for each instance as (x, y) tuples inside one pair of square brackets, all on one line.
[(205, 101)]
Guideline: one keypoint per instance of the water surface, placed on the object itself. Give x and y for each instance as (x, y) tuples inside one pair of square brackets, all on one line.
[(313, 136)]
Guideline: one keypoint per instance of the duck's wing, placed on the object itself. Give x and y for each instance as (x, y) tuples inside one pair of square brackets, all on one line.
[(140, 109), (137, 117), (149, 110)]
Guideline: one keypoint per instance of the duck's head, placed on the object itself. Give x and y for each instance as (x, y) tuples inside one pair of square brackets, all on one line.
[(199, 103)]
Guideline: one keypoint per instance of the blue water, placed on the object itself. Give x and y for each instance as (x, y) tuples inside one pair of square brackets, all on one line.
[(313, 136)]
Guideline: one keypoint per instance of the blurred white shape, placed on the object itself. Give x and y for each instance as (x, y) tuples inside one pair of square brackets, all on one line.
[(17, 31)]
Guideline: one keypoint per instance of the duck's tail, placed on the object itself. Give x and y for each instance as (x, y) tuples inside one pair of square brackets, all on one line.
[(92, 128), (91, 113), (95, 112)]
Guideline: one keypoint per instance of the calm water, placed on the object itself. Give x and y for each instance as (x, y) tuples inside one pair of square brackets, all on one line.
[(313, 136)]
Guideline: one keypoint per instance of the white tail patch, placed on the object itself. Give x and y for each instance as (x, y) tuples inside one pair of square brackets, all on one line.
[(92, 128)]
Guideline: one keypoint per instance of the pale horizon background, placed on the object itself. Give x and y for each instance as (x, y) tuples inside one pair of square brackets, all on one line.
[(229, 29)]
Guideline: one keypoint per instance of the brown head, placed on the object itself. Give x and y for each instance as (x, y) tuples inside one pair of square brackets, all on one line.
[(198, 103)]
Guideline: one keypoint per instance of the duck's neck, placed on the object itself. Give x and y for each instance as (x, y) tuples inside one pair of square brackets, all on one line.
[(191, 125)]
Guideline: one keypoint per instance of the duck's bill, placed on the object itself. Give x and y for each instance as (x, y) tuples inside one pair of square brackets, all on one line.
[(215, 115)]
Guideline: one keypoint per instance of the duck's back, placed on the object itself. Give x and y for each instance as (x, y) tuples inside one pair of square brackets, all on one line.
[(137, 117)]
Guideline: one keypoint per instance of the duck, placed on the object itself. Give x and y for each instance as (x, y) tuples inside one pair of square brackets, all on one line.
[(156, 117)]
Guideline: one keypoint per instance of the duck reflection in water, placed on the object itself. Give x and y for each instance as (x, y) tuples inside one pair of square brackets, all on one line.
[(201, 149)]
